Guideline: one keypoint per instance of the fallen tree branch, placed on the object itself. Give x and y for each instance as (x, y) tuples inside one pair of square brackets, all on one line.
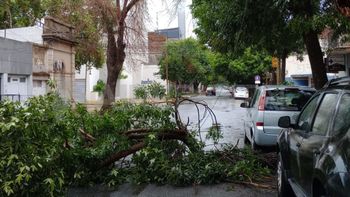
[(87, 136), (143, 130), (262, 186), (121, 154), (170, 135)]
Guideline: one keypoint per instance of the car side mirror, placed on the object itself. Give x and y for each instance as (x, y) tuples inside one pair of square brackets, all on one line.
[(244, 105), (284, 122)]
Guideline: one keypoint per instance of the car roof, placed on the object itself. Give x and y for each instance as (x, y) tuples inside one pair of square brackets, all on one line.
[(282, 87), (342, 83)]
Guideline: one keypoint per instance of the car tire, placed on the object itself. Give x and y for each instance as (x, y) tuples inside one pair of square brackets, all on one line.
[(246, 140), (283, 187), (254, 145)]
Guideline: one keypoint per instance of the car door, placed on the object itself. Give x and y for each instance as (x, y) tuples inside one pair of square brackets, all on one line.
[(314, 139), (296, 135), (280, 102), (252, 112)]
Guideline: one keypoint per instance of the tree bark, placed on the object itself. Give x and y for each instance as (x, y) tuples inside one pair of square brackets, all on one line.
[(121, 154), (319, 72), (195, 87), (283, 66), (115, 61), (173, 135)]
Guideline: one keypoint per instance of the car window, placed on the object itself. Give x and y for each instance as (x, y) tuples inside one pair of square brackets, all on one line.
[(305, 117), (342, 117), (254, 102), (241, 89), (286, 99), (324, 114)]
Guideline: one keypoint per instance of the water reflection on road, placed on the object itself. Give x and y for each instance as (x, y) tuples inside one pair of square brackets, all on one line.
[(228, 113)]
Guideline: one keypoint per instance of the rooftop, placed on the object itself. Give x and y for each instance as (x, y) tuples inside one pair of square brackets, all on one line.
[(24, 34)]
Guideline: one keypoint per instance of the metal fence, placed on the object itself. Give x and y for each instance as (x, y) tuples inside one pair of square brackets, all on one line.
[(14, 97)]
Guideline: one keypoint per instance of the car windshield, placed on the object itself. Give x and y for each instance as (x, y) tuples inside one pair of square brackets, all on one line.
[(286, 99), (241, 89)]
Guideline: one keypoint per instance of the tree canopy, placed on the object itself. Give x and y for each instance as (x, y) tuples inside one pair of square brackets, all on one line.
[(241, 70), (90, 50), (230, 26), (186, 62), (18, 13)]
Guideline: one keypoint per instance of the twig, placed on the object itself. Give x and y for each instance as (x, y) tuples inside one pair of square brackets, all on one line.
[(263, 186), (87, 136)]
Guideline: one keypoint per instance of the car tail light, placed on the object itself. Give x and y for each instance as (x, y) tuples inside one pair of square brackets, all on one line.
[(261, 106), (261, 124)]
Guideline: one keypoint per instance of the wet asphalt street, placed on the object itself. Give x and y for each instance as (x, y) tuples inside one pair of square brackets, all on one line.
[(228, 114)]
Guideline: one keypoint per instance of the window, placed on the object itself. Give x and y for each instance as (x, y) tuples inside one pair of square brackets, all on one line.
[(14, 79), (22, 79), (324, 114), (37, 84), (342, 117), (8, 79), (286, 99), (255, 98), (305, 117)]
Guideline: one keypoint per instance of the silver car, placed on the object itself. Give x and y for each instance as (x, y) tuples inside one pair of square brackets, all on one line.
[(268, 104)]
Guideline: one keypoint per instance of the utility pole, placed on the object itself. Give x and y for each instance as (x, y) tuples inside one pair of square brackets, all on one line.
[(167, 73), (167, 68), (5, 29), (278, 72)]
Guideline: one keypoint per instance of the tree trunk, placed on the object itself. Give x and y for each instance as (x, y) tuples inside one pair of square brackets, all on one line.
[(283, 67), (195, 87), (115, 61), (319, 73)]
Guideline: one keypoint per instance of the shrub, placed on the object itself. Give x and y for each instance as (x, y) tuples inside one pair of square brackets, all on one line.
[(99, 87), (141, 92), (153, 90)]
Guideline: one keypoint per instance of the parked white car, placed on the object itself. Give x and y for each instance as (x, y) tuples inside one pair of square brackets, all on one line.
[(241, 92)]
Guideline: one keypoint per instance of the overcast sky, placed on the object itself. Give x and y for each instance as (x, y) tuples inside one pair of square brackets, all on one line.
[(167, 18)]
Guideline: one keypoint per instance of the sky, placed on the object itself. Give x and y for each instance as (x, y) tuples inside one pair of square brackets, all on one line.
[(167, 18)]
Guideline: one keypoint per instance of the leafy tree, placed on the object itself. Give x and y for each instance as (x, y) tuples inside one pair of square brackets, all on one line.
[(87, 34), (18, 13), (242, 70), (277, 26), (185, 62)]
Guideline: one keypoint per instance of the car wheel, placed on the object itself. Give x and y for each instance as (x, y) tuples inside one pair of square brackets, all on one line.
[(246, 140), (253, 144), (283, 187)]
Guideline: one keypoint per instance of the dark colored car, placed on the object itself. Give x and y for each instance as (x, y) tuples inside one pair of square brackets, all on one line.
[(314, 153)]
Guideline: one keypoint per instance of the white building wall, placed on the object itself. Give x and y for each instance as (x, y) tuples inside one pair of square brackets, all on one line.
[(294, 66), (93, 75), (149, 74)]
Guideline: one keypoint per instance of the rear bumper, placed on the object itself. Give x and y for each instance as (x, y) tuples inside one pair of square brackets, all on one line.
[(240, 96), (265, 139)]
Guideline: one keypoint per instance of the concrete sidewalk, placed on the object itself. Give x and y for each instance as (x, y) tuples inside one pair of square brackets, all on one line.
[(219, 190)]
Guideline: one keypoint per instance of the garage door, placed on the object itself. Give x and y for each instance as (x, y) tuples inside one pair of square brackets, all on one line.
[(17, 85)]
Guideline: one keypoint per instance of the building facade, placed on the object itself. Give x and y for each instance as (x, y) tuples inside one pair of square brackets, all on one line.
[(52, 56), (15, 70)]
